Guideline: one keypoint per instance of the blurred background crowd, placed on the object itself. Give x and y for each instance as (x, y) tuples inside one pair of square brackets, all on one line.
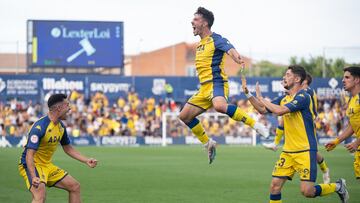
[(133, 116)]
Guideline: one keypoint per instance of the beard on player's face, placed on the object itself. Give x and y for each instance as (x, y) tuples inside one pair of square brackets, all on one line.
[(289, 83), (63, 110), (63, 116)]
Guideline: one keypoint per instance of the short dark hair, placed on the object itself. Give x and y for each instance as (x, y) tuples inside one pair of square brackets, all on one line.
[(56, 98), (354, 70), (207, 15), (299, 71), (308, 78)]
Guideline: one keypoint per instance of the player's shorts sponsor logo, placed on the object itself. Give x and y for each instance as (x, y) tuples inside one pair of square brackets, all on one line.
[(34, 139)]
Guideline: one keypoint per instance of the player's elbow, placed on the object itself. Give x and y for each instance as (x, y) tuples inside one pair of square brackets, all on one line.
[(75, 187)]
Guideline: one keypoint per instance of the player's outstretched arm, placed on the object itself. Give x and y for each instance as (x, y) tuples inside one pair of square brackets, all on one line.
[(345, 134), (236, 56), (274, 108), (72, 152), (35, 181)]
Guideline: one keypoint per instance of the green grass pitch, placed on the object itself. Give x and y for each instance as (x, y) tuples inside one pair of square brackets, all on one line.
[(174, 174)]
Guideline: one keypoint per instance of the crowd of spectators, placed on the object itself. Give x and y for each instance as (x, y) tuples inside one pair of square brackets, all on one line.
[(132, 116)]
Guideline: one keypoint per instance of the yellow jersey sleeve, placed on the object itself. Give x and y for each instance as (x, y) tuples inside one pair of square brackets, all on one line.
[(353, 112)]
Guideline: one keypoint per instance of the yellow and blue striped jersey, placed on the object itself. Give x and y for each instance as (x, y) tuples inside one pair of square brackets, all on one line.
[(44, 137), (299, 130), (353, 112), (210, 58)]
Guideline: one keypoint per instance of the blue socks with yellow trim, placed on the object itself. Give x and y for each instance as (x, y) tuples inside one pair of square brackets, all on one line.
[(275, 198)]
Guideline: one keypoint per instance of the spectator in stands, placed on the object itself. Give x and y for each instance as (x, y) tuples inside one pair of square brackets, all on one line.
[(143, 117)]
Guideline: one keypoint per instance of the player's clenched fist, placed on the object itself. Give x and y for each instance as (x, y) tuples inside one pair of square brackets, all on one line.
[(35, 181), (91, 162), (332, 144)]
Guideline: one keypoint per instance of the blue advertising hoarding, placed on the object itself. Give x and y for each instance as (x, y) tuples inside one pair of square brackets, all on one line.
[(53, 84), (11, 141), (20, 87), (75, 44), (112, 86), (37, 87)]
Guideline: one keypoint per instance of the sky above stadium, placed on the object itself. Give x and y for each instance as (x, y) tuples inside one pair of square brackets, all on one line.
[(262, 29)]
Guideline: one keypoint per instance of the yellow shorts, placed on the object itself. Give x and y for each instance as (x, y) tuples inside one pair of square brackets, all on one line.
[(303, 163), (48, 174), (207, 92), (357, 164)]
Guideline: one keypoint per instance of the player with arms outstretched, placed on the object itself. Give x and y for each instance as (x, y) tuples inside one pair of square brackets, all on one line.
[(300, 146), (36, 165), (280, 130)]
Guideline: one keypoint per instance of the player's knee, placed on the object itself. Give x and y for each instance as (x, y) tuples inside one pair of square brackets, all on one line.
[(220, 108), (184, 118), (275, 188), (39, 195), (75, 187)]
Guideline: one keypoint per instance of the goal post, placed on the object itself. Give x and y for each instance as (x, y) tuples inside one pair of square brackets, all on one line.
[(218, 126)]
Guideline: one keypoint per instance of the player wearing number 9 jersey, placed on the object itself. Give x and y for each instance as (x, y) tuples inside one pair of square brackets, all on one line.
[(300, 146)]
